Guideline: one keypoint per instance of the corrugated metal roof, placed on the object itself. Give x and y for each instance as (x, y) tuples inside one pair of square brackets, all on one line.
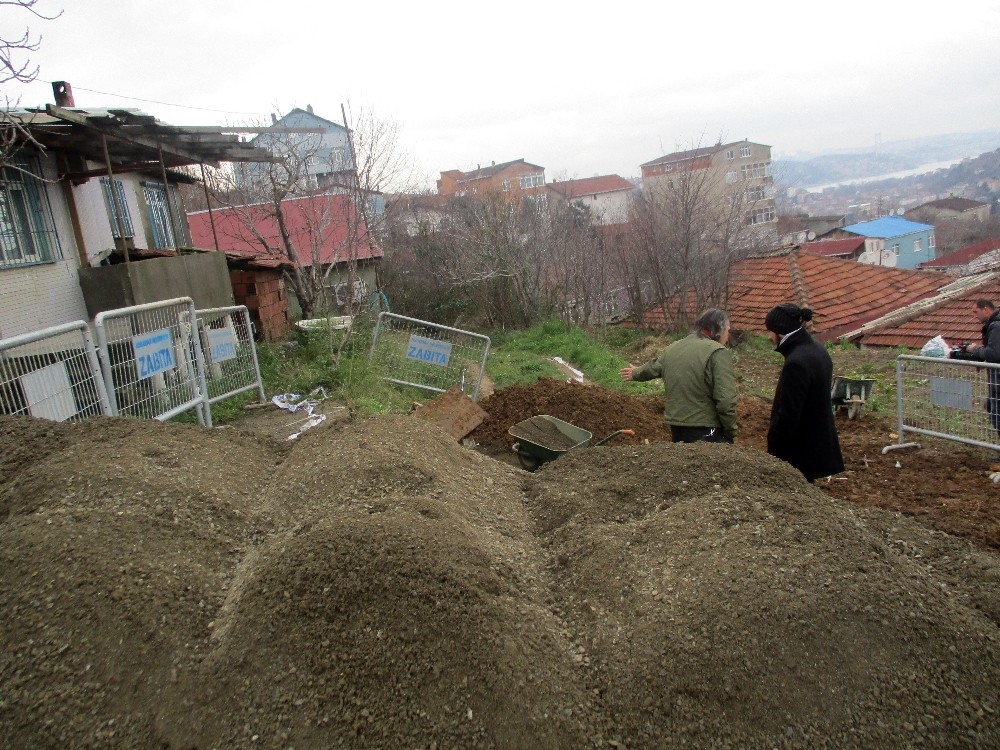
[(327, 219), (964, 255), (887, 227), (846, 246)]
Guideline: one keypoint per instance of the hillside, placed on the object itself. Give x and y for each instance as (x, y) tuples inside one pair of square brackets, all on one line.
[(895, 156)]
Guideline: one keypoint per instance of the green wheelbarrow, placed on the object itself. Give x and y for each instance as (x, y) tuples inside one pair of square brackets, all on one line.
[(849, 394), (545, 438)]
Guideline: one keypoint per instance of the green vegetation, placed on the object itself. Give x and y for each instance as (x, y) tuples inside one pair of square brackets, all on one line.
[(523, 356)]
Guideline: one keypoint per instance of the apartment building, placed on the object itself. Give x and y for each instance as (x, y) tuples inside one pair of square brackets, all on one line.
[(738, 172), (512, 179)]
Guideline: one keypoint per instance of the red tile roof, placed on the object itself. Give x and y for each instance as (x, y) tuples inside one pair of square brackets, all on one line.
[(591, 185), (964, 255), (835, 247), (328, 220), (843, 294), (949, 315)]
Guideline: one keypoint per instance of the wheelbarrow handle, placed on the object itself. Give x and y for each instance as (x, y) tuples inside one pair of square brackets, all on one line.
[(616, 433)]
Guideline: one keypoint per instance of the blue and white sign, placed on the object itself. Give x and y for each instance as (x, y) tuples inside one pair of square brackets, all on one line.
[(221, 344), (154, 352), (428, 350)]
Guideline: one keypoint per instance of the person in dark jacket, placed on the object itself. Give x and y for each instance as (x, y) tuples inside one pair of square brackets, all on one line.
[(987, 314), (802, 431)]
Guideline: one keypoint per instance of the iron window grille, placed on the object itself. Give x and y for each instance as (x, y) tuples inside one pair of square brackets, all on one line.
[(27, 231)]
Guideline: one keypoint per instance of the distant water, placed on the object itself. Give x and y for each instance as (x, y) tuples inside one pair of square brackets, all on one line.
[(922, 169)]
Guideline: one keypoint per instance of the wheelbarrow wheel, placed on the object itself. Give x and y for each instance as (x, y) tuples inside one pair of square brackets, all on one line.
[(527, 461)]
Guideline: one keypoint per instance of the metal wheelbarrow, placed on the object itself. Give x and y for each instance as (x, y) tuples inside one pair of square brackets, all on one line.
[(545, 438), (850, 394)]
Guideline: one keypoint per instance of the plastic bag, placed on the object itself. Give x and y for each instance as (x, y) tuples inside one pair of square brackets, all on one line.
[(936, 347)]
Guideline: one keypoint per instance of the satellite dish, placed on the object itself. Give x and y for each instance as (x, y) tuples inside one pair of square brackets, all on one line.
[(810, 235), (899, 211)]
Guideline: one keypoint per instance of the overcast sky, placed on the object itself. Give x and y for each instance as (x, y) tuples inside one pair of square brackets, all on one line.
[(581, 88)]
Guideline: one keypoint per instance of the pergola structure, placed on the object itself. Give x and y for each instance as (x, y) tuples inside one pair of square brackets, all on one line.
[(128, 140)]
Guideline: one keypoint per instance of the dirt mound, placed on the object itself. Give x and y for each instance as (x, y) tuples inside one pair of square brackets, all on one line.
[(589, 407), (402, 607), (726, 601), (374, 584)]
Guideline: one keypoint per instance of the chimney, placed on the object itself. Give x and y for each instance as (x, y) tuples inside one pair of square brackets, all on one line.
[(274, 119), (63, 93), (309, 108)]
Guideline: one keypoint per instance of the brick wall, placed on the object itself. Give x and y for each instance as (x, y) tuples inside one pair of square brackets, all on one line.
[(264, 294)]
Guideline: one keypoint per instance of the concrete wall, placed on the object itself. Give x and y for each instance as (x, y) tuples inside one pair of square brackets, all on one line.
[(46, 294), (202, 276)]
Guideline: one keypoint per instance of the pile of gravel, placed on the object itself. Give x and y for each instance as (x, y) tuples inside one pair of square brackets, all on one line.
[(377, 585)]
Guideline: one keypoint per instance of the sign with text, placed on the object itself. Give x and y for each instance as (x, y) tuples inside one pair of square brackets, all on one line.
[(428, 350), (154, 353), (222, 344)]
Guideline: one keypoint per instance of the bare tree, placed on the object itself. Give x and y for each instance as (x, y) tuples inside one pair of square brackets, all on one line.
[(688, 232), (16, 66)]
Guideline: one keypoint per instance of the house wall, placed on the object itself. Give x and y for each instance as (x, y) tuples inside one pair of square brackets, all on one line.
[(46, 294), (329, 152), (606, 208), (909, 257)]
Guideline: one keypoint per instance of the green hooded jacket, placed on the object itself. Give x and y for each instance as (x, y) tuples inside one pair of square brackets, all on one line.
[(698, 376)]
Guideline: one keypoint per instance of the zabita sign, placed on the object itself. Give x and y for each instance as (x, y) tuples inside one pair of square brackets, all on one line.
[(428, 350), (154, 353)]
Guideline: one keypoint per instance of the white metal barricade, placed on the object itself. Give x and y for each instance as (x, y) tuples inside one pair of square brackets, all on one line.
[(231, 364), (948, 399), (53, 373), (429, 356), (152, 360)]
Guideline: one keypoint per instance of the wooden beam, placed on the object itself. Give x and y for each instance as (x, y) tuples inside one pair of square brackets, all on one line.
[(117, 132)]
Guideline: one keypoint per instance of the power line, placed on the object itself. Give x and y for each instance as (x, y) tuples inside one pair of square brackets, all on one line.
[(155, 101)]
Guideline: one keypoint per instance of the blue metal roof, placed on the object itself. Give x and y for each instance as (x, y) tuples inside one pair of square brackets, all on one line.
[(887, 227)]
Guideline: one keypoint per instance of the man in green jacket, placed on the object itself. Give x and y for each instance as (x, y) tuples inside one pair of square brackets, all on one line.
[(697, 372)]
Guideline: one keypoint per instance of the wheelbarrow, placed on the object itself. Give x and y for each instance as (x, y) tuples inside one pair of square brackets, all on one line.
[(545, 438), (850, 394)]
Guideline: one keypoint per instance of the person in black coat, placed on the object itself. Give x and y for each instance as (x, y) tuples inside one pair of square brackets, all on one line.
[(802, 431), (987, 314)]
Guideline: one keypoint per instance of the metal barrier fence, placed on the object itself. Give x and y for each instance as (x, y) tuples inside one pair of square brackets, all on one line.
[(53, 373), (231, 364), (948, 399), (152, 360), (427, 355)]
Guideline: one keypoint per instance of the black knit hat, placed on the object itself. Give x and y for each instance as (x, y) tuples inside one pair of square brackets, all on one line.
[(786, 318)]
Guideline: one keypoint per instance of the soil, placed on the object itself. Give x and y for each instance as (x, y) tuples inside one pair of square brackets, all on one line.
[(544, 433), (374, 584)]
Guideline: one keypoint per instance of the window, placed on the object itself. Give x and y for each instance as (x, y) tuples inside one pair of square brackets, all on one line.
[(532, 180), (745, 152), (116, 204), (918, 245), (338, 158), (930, 241), (751, 171), (731, 177), (761, 216), (756, 193), (27, 232), (505, 185), (895, 249), (160, 224), (730, 154)]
